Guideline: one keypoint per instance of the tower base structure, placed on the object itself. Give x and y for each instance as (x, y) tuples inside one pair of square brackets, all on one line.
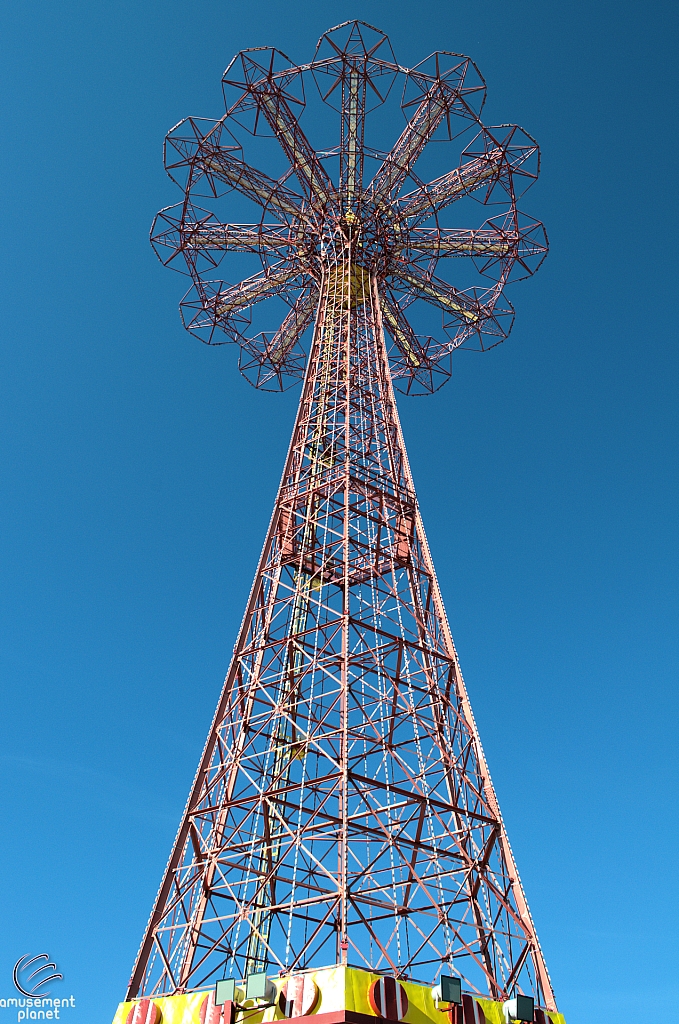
[(330, 995)]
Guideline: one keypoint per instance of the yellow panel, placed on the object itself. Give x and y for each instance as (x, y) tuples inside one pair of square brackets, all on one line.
[(340, 988), (182, 1009), (493, 1011)]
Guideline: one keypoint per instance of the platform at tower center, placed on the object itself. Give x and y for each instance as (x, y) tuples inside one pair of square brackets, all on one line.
[(330, 995)]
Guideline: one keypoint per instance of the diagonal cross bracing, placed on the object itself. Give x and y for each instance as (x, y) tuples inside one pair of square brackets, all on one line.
[(343, 802)]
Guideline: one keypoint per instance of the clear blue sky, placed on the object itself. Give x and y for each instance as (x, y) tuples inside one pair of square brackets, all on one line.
[(138, 469)]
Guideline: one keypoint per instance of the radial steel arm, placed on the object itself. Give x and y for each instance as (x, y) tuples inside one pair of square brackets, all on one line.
[(254, 289), (414, 138), (296, 322), (303, 159), (353, 124), (254, 184), (463, 242), (192, 233), (236, 237), (440, 193), (438, 293), (400, 330)]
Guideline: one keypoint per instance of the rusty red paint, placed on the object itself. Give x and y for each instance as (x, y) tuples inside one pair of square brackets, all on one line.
[(473, 1014), (144, 1012), (388, 998), (299, 996), (211, 1014)]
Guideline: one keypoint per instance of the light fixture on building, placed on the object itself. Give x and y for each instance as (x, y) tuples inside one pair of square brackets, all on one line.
[(519, 1008), (448, 990), (260, 988), (226, 991)]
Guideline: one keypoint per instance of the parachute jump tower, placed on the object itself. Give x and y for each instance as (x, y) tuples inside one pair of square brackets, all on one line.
[(342, 854)]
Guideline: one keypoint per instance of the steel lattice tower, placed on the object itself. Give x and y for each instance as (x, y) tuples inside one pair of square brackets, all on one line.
[(343, 811)]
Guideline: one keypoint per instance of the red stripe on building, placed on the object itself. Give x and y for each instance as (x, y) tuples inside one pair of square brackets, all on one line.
[(388, 999)]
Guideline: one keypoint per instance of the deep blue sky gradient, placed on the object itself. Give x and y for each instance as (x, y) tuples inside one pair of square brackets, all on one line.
[(138, 469)]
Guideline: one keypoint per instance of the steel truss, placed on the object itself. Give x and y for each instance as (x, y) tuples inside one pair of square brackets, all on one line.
[(343, 811)]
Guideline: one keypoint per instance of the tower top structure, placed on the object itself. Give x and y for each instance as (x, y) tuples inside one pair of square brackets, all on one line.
[(352, 198)]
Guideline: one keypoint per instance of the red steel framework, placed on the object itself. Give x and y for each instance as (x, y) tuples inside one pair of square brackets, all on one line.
[(343, 812)]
